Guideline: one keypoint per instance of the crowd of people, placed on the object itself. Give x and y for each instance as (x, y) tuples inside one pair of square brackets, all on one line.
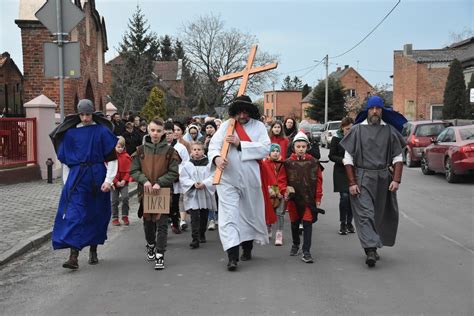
[(268, 171)]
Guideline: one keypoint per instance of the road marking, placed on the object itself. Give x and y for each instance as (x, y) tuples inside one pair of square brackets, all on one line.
[(414, 221), (457, 243)]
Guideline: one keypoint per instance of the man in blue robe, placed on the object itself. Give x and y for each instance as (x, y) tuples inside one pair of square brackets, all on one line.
[(85, 145)]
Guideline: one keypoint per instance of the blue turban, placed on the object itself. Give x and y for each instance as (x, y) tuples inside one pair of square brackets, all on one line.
[(389, 116), (273, 146)]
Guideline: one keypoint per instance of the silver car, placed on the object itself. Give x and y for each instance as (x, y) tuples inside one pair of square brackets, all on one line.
[(330, 129)]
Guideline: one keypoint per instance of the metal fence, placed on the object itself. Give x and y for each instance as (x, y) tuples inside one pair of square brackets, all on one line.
[(18, 143)]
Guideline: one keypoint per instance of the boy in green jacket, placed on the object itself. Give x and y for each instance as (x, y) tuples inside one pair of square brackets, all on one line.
[(155, 166)]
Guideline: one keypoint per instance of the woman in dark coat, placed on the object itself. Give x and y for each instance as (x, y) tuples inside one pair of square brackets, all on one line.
[(341, 184)]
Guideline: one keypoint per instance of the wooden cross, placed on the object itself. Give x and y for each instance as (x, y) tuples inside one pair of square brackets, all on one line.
[(248, 70)]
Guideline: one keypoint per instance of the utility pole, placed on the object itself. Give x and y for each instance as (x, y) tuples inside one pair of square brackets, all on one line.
[(326, 91), (60, 43)]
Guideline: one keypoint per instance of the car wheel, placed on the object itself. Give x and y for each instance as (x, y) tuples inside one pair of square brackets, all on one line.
[(408, 159), (424, 166), (449, 173)]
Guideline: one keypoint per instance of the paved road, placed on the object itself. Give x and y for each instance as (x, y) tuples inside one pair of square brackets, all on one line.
[(428, 272)]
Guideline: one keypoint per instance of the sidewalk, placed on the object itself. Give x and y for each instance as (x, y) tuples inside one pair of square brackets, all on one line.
[(28, 211)]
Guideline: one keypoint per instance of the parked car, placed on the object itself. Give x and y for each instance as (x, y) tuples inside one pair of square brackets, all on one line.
[(418, 136), (451, 153), (330, 129), (316, 131)]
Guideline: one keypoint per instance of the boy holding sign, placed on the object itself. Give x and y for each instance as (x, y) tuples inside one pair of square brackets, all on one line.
[(155, 168)]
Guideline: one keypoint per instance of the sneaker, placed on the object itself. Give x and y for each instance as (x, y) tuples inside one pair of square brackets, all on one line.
[(212, 225), (175, 229), (150, 252), (115, 222), (307, 258), (301, 228), (295, 249), (159, 261), (194, 244), (278, 238), (343, 229), (350, 228), (125, 220), (183, 225)]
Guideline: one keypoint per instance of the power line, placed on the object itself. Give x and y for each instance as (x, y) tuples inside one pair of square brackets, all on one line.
[(312, 69), (373, 30)]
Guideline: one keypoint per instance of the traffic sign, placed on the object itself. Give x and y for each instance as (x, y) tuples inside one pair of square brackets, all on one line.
[(71, 15), (71, 62)]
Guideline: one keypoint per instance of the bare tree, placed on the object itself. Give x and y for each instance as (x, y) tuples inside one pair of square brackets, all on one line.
[(214, 51)]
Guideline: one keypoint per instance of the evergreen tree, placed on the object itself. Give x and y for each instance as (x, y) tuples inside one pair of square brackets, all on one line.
[(455, 100), (335, 101), (286, 83), (167, 53), (201, 106), (305, 91), (155, 105), (297, 84), (468, 93), (132, 77), (179, 50)]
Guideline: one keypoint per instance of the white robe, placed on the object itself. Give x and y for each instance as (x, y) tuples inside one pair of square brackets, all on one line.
[(195, 199), (241, 205), (184, 155)]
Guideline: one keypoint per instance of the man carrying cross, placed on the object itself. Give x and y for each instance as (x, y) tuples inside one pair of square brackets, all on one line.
[(241, 205)]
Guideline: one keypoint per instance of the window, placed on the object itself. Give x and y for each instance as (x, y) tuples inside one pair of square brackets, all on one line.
[(272, 98), (441, 136), (268, 98), (466, 133), (429, 129), (406, 129), (437, 112), (447, 136), (351, 93)]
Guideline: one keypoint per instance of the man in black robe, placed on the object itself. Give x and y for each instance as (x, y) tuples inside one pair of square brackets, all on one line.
[(373, 163)]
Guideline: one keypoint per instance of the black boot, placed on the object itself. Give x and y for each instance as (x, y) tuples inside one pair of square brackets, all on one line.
[(93, 255), (72, 262), (233, 254), (194, 244), (343, 229), (371, 258), (246, 250)]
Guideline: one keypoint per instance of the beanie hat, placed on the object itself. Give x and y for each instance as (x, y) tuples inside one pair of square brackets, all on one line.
[(85, 106), (375, 102), (301, 136), (273, 146), (212, 123)]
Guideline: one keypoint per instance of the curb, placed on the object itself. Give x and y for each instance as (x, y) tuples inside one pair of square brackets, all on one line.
[(24, 246), (34, 242)]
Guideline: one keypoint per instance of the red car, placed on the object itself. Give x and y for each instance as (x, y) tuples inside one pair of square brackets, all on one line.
[(418, 136), (451, 153)]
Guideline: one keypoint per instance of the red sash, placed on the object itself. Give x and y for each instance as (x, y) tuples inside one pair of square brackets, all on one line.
[(270, 216)]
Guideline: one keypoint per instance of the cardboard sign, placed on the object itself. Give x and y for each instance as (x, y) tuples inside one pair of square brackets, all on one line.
[(158, 203)]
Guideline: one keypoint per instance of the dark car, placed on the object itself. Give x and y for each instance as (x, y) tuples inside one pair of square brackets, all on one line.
[(451, 153), (418, 136)]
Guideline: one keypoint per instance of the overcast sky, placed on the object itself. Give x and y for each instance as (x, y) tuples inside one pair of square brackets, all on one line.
[(298, 31)]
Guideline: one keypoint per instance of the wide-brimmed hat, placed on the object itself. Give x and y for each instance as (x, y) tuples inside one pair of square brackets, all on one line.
[(243, 103)]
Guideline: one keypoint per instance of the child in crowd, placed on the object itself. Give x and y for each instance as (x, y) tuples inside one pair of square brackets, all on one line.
[(277, 136), (120, 183), (305, 182), (196, 181), (274, 180), (155, 166)]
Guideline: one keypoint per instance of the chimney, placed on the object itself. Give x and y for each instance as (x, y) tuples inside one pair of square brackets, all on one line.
[(407, 49), (346, 66), (338, 69)]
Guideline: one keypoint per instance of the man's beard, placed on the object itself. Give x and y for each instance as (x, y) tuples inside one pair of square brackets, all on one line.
[(374, 120), (243, 121)]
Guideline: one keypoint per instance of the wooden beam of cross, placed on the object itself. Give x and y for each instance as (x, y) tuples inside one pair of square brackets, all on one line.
[(248, 70)]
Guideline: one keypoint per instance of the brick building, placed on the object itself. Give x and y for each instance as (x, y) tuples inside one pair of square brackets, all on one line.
[(419, 77), (11, 87), (353, 83), (92, 36), (279, 104)]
